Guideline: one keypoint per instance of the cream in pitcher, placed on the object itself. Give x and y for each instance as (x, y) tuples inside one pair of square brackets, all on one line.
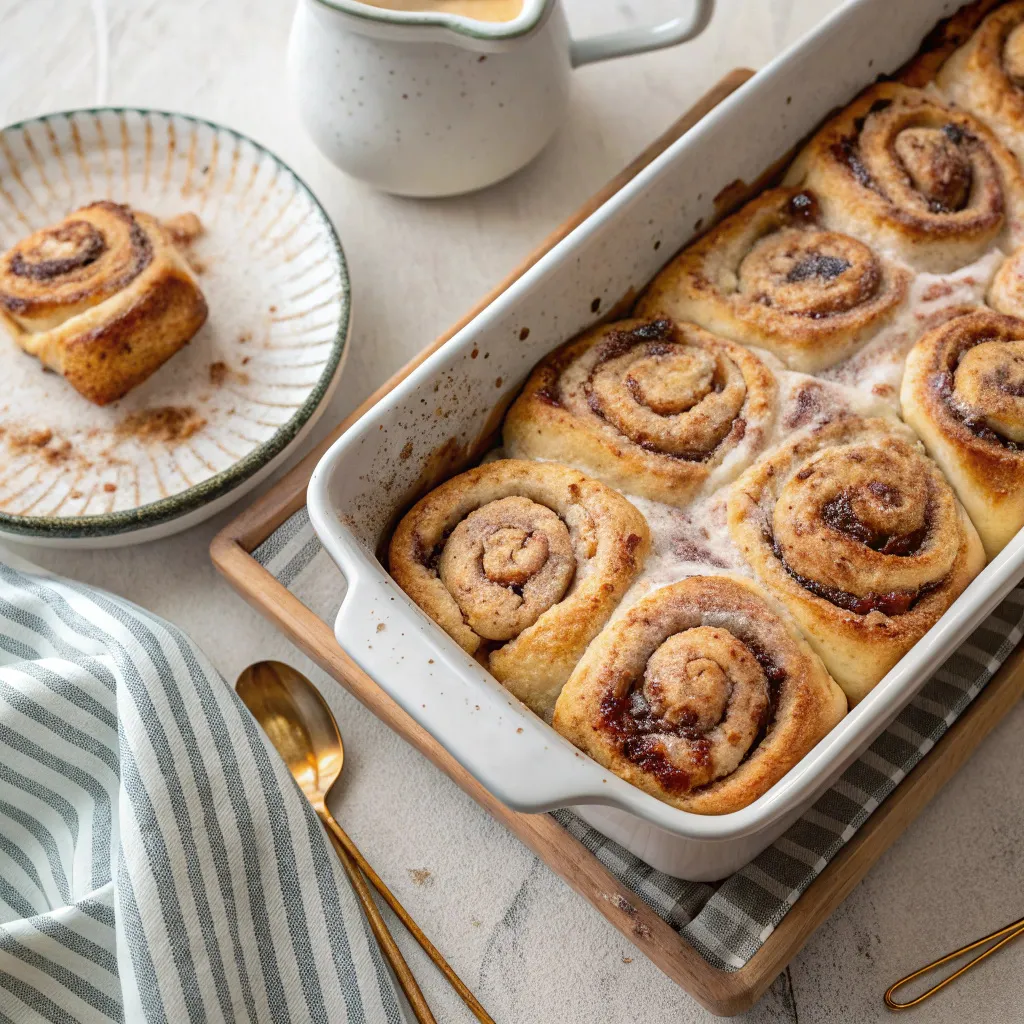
[(438, 97), (478, 10)]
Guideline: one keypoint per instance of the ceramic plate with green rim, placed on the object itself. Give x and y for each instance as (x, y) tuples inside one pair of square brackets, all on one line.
[(216, 418)]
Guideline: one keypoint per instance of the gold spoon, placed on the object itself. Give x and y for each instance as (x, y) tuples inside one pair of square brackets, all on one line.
[(1005, 935), (303, 729)]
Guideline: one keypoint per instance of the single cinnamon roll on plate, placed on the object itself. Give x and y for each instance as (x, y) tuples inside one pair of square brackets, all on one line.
[(656, 408), (771, 275), (521, 563), (103, 298), (109, 293), (963, 392), (703, 694), (906, 173), (857, 532), (986, 75)]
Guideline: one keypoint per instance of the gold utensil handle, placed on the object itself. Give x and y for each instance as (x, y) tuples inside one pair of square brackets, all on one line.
[(343, 838), (1004, 935), (384, 938)]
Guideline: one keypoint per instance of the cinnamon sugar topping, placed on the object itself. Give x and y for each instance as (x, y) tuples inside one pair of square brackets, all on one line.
[(168, 424)]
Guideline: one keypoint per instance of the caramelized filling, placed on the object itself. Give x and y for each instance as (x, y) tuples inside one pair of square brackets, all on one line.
[(839, 514), (892, 602), (943, 384), (637, 731)]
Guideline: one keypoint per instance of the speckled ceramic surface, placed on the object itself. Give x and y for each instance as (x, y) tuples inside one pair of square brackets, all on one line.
[(213, 419), (431, 103)]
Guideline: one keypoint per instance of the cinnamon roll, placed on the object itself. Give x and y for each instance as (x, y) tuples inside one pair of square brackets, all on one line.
[(963, 392), (703, 694), (521, 563), (855, 530), (902, 171), (103, 298), (659, 409), (986, 75), (771, 275)]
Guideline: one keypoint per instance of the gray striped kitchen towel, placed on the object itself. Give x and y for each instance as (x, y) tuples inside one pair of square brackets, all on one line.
[(727, 923), (157, 862)]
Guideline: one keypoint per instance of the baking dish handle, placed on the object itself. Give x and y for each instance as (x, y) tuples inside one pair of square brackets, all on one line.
[(640, 40), (502, 744)]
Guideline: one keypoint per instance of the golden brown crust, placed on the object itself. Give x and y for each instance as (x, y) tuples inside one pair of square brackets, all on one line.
[(962, 394), (1006, 293), (703, 694), (855, 530), (660, 409), (986, 75), (908, 174), (521, 563), (103, 298), (770, 275), (949, 34)]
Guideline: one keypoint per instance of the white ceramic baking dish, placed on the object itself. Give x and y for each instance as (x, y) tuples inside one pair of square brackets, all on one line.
[(450, 402)]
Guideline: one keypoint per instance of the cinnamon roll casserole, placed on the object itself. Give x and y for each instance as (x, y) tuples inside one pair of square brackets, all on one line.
[(857, 532), (521, 563), (703, 694), (103, 298), (772, 276), (719, 529), (656, 408)]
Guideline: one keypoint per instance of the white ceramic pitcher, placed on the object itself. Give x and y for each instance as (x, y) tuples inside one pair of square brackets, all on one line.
[(431, 104)]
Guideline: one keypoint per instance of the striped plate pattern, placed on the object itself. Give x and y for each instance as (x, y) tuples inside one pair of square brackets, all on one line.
[(157, 862), (275, 281)]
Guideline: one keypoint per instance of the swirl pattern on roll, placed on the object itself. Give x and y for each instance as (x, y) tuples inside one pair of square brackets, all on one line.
[(986, 75), (656, 408), (103, 298), (963, 392), (771, 275), (521, 563), (905, 173), (703, 694), (855, 530), (66, 268)]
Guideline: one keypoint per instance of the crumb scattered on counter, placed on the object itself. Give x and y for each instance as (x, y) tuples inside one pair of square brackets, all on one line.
[(420, 876)]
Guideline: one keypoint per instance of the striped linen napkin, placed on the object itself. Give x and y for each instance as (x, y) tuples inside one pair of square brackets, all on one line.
[(157, 862)]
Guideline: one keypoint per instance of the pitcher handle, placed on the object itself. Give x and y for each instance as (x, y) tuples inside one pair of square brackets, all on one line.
[(640, 40)]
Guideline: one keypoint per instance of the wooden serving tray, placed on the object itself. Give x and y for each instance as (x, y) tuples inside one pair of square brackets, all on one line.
[(721, 992)]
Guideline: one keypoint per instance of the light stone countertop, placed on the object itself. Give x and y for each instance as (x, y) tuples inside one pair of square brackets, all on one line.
[(530, 947)]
